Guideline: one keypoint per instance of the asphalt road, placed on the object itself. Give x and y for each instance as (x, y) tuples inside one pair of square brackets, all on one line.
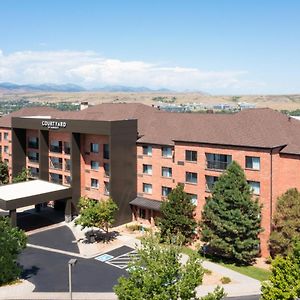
[(255, 297)]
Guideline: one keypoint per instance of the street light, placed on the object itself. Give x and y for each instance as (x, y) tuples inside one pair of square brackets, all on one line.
[(71, 263)]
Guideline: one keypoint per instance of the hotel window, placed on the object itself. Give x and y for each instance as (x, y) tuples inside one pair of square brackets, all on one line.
[(147, 169), (94, 183), (147, 150), (33, 156), (252, 163), (255, 187), (166, 172), (55, 178), (106, 151), (166, 152), (190, 155), (56, 146), (106, 188), (165, 191), (194, 199), (6, 161), (67, 148), (94, 165), (106, 169), (191, 177), (94, 148), (68, 180), (33, 172), (210, 182), (67, 165), (6, 149), (217, 161), (6, 136), (147, 188), (0, 150), (0, 136), (33, 142), (56, 163)]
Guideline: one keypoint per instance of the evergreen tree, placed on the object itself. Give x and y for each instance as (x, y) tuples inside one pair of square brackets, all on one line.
[(231, 218), (177, 215), (4, 174), (12, 241), (286, 226)]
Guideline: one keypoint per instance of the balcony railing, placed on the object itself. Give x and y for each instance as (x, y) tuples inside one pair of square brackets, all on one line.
[(56, 165), (216, 165), (67, 150), (56, 180), (67, 167), (55, 149), (33, 159), (33, 145)]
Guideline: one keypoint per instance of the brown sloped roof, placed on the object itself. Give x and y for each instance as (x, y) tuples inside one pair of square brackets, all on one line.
[(260, 128)]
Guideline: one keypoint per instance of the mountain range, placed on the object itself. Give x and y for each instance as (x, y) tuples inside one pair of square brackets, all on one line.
[(69, 87)]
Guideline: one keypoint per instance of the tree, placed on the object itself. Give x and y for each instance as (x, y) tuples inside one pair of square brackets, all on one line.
[(95, 213), (231, 218), (177, 215), (284, 282), (4, 174), (156, 273), (12, 242), (286, 226), (22, 176)]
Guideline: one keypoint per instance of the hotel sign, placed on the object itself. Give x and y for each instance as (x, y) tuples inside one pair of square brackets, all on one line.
[(54, 124)]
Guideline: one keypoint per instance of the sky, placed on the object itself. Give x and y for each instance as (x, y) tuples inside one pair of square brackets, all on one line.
[(214, 46)]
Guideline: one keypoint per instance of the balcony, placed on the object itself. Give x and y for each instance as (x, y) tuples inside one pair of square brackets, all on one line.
[(56, 180), (56, 165), (217, 165), (33, 145), (33, 159), (67, 150), (68, 167), (55, 149)]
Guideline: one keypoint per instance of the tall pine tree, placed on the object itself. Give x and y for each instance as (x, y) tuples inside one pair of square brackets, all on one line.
[(178, 215), (231, 218)]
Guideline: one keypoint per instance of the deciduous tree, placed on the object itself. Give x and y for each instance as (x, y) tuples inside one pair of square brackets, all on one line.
[(286, 226), (12, 242), (4, 174), (231, 218)]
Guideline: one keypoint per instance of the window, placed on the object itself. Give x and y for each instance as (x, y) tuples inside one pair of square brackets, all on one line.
[(6, 149), (0, 150), (56, 163), (106, 188), (33, 142), (68, 180), (190, 155), (166, 152), (55, 178), (6, 161), (67, 148), (6, 136), (142, 213), (94, 148), (94, 165), (147, 150), (67, 164), (166, 172), (0, 136), (94, 183), (56, 146), (252, 162), (33, 172), (33, 156), (147, 188), (217, 161), (191, 177), (106, 151), (255, 187), (194, 199), (210, 181), (147, 169), (165, 191), (106, 169)]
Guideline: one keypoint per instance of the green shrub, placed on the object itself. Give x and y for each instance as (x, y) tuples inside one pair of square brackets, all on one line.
[(225, 280)]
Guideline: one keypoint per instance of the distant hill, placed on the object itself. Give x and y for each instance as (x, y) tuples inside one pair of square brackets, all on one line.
[(71, 88)]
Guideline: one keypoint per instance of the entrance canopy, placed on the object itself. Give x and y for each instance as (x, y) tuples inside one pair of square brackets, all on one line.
[(16, 195)]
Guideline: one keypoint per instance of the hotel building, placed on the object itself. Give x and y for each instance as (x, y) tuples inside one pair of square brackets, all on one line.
[(136, 154)]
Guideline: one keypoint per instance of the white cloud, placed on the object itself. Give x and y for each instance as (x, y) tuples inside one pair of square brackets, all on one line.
[(90, 69)]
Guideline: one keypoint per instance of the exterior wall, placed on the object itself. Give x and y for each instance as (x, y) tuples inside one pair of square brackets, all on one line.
[(180, 166), (6, 148), (87, 173), (30, 163)]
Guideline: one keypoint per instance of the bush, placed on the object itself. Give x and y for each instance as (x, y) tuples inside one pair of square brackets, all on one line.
[(225, 280)]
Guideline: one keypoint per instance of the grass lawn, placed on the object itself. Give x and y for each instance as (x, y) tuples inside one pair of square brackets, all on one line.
[(251, 271)]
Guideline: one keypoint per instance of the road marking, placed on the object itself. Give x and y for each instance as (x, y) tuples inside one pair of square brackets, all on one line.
[(123, 260), (104, 257)]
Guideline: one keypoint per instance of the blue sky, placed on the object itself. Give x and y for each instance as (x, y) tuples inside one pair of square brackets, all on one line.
[(217, 46)]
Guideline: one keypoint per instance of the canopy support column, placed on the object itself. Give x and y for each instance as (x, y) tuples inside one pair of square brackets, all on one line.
[(13, 217), (68, 211)]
